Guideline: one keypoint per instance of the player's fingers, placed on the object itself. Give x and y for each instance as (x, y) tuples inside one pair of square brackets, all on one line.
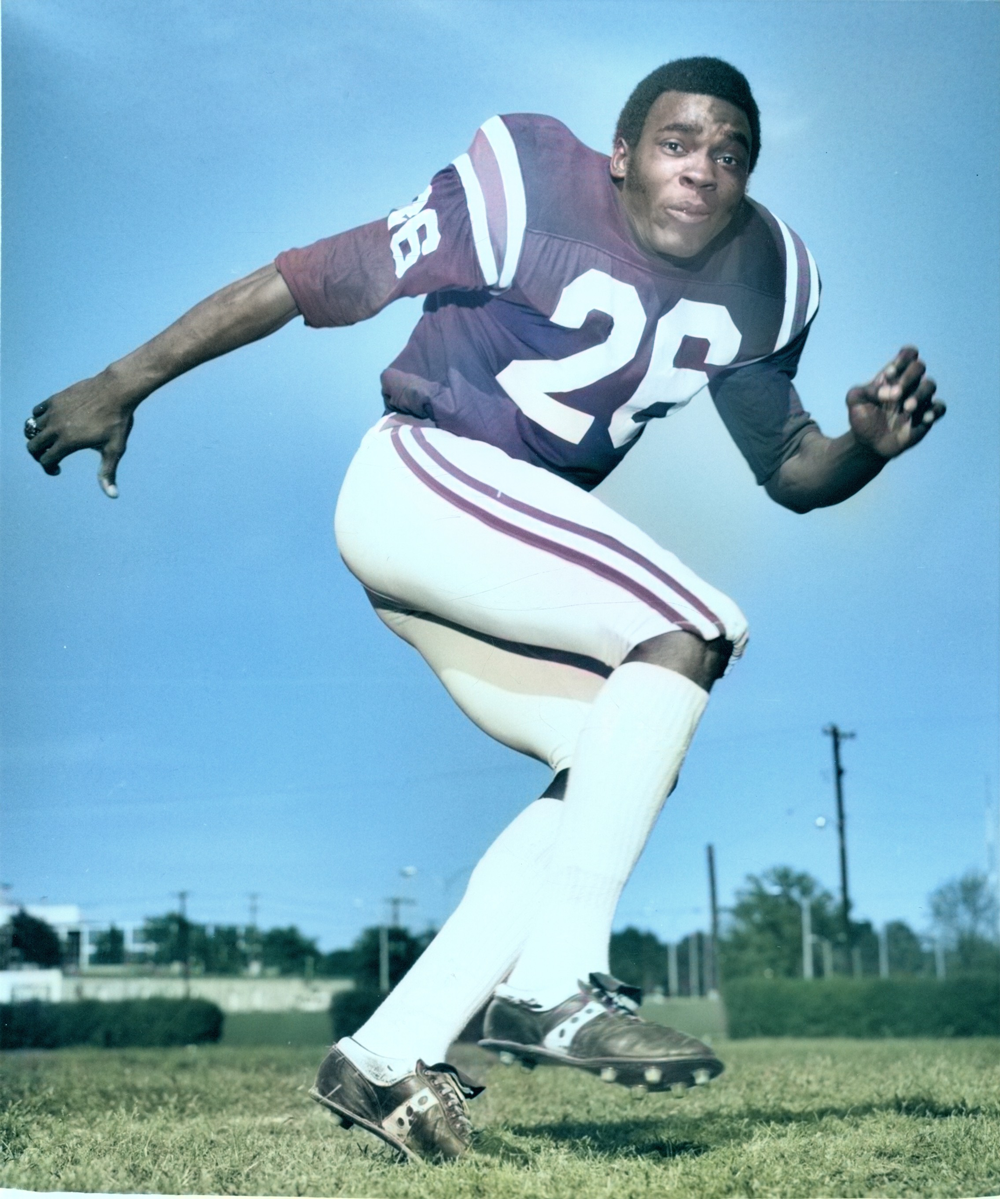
[(863, 394), (934, 413), (110, 457), (51, 454), (918, 403), (895, 368), (40, 408), (41, 443), (897, 390)]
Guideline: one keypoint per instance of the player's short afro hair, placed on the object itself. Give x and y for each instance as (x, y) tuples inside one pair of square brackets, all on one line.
[(699, 76)]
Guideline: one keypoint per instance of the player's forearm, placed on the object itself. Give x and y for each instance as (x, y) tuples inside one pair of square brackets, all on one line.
[(240, 313), (824, 471)]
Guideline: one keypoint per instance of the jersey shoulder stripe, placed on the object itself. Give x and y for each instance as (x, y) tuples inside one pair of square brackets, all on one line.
[(491, 174), (505, 151), (475, 202), (802, 282)]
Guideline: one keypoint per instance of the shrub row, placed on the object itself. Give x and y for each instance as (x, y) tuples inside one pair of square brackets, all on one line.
[(350, 1009), (846, 1007), (133, 1022)]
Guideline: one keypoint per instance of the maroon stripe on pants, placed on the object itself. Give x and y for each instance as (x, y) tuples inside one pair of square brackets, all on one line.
[(605, 539), (543, 543)]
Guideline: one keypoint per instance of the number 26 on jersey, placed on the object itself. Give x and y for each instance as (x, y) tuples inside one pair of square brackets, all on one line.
[(530, 382)]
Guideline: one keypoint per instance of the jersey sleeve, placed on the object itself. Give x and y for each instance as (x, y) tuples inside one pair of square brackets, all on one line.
[(463, 232), (761, 409)]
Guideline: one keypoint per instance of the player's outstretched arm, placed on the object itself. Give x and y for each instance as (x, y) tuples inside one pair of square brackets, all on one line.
[(888, 415), (97, 413)]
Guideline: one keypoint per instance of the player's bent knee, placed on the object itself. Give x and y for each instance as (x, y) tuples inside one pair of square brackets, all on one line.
[(688, 654)]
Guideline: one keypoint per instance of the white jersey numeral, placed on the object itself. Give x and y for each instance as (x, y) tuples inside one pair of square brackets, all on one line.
[(528, 383), (531, 382), (406, 244), (665, 383)]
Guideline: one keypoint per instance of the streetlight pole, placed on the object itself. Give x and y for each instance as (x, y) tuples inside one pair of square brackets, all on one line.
[(395, 902), (807, 938), (712, 970), (838, 735), (185, 941)]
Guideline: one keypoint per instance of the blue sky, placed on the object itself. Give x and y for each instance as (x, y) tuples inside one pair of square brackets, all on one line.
[(195, 694)]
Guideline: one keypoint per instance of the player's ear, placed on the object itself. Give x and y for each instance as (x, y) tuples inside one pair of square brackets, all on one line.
[(619, 158)]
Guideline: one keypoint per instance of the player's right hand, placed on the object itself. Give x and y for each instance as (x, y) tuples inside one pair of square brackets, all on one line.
[(92, 414)]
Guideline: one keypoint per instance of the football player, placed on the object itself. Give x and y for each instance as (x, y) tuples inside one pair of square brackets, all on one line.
[(570, 299)]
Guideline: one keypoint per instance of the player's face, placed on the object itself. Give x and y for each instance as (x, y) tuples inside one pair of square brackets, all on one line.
[(686, 176)]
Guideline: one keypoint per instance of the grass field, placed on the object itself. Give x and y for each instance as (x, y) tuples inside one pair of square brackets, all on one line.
[(789, 1118)]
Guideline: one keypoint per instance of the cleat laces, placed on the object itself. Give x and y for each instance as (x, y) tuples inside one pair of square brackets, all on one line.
[(452, 1090)]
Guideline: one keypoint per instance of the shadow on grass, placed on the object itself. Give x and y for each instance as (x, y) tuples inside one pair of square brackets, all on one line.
[(921, 1107), (640, 1138), (625, 1138)]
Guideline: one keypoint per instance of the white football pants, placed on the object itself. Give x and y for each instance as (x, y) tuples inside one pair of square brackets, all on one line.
[(523, 593)]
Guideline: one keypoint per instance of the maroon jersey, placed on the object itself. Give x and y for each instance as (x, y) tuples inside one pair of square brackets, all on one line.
[(547, 331)]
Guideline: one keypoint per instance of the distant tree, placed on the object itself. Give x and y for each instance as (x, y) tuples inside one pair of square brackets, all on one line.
[(639, 958), (906, 953), (169, 936), (764, 930), (404, 949), (864, 942), (220, 949), (964, 911), (338, 963), (286, 950), (33, 942), (110, 947)]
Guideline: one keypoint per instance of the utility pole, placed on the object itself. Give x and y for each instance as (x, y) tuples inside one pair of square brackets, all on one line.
[(395, 902), (694, 981), (185, 941), (838, 735), (252, 939), (939, 969), (807, 938), (883, 951), (673, 985), (712, 965)]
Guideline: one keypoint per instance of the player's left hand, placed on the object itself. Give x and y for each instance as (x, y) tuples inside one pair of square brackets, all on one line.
[(897, 408)]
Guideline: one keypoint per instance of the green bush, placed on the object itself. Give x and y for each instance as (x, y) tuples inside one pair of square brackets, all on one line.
[(350, 1009), (133, 1022), (846, 1007)]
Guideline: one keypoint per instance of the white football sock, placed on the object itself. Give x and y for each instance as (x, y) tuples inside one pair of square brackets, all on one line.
[(475, 948), (627, 759)]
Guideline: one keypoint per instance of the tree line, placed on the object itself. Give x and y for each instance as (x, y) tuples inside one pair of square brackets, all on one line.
[(761, 936)]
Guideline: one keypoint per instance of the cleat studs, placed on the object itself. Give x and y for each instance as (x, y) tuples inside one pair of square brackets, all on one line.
[(678, 1088), (346, 1123), (701, 1077), (609, 1074), (507, 1058), (528, 1064), (653, 1074), (638, 1091)]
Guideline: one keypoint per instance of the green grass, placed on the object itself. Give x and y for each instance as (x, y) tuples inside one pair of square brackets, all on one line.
[(789, 1118), (276, 1028)]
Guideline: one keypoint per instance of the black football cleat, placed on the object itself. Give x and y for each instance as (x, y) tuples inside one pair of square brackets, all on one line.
[(423, 1116), (598, 1030)]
